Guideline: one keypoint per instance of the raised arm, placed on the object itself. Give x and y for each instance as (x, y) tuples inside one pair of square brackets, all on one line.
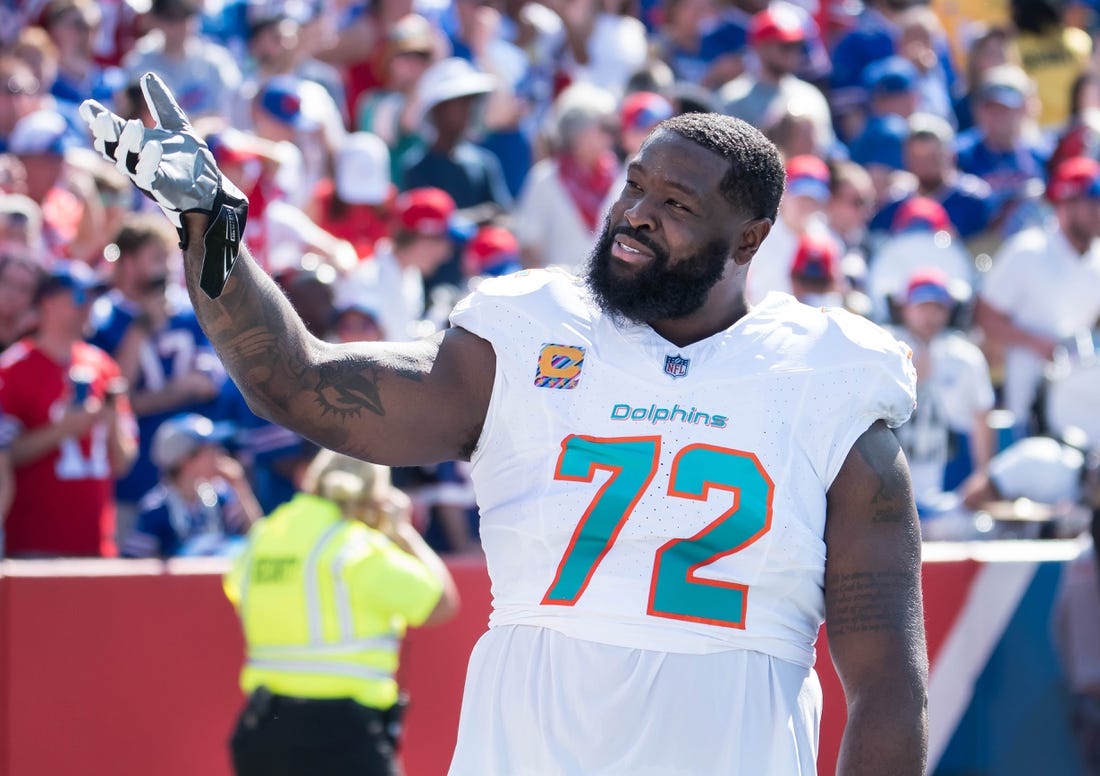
[(392, 403), (873, 611)]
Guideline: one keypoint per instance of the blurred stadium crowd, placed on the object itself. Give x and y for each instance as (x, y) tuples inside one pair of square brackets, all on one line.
[(942, 180)]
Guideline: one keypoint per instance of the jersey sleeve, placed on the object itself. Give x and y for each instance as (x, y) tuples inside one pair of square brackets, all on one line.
[(387, 579), (506, 308), (862, 375)]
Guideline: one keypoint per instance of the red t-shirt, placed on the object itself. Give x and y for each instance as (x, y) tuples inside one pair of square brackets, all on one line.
[(64, 501), (361, 225)]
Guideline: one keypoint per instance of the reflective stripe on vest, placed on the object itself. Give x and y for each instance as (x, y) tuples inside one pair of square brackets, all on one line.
[(387, 643), (313, 584), (320, 667), (340, 588)]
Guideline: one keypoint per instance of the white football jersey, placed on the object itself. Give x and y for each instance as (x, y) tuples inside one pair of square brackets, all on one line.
[(640, 495)]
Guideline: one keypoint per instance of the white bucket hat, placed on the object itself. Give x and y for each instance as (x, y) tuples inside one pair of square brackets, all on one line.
[(449, 79)]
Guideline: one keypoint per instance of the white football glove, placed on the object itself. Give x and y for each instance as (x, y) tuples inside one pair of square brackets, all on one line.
[(173, 166)]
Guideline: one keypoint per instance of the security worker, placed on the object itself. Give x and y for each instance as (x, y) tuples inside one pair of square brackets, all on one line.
[(325, 589)]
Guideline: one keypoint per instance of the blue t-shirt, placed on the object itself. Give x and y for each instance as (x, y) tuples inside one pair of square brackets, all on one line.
[(727, 34), (873, 39), (1016, 177), (167, 524), (267, 450), (968, 202), (470, 174), (180, 347)]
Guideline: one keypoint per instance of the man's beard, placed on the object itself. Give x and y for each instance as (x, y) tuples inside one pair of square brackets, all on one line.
[(655, 292)]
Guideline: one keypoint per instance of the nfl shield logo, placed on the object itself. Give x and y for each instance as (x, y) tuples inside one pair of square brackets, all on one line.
[(676, 366)]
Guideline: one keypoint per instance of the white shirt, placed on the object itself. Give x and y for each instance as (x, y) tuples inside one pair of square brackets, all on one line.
[(546, 219), (949, 398), (395, 292), (617, 49), (642, 503), (204, 81), (1048, 288)]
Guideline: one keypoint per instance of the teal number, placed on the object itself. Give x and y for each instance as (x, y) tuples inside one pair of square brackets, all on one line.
[(675, 591), (632, 462)]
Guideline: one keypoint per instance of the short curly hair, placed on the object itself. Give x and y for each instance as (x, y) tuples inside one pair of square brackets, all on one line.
[(756, 176)]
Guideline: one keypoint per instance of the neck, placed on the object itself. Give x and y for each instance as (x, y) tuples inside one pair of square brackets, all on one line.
[(57, 345), (73, 67), (186, 485), (1081, 243), (930, 186), (445, 145), (175, 48), (995, 144), (710, 320), (770, 75)]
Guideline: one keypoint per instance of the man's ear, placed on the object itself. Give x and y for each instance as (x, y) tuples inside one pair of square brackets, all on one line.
[(751, 238)]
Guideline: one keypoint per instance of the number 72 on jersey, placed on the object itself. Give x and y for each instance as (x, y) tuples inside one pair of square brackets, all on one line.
[(675, 591)]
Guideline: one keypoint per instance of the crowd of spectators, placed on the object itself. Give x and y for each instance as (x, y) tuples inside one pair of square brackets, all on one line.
[(942, 180)]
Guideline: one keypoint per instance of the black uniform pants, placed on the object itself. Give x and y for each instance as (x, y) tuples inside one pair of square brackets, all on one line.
[(280, 736)]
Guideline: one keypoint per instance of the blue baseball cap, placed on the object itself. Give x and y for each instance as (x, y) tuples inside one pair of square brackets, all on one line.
[(929, 284), (282, 98), (893, 75), (181, 436), (44, 132), (74, 276)]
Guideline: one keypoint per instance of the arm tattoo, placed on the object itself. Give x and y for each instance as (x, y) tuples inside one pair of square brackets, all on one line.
[(869, 601), (276, 362), (882, 455), (344, 389)]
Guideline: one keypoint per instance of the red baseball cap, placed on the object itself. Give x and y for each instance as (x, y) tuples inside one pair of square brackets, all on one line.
[(921, 213), (808, 176), (645, 110), (817, 258), (493, 250), (1074, 178), (777, 25), (929, 284), (230, 146), (426, 211)]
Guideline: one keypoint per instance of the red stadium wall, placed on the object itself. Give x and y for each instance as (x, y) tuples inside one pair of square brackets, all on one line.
[(129, 668)]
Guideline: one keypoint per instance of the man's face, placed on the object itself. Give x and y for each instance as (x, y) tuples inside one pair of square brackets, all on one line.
[(74, 33), (43, 172), (148, 268), (452, 117), (668, 238), (66, 310), (925, 319), (782, 58), (1080, 218), (17, 281), (19, 91), (849, 209), (928, 160), (429, 252), (999, 123)]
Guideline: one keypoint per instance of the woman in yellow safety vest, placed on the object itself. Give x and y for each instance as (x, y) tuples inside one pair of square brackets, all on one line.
[(325, 589)]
